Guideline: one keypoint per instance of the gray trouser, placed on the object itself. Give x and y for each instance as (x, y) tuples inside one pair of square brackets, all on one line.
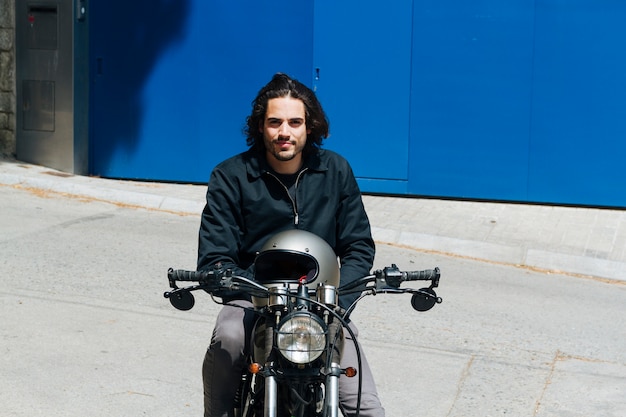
[(225, 359)]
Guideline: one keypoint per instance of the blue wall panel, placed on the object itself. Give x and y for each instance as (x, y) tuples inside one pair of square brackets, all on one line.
[(363, 52), (173, 80), (578, 136), (470, 98)]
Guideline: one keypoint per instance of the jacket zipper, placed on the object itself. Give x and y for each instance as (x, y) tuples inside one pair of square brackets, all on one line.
[(293, 202)]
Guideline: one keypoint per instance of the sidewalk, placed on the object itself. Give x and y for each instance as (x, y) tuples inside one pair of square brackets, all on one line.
[(581, 241)]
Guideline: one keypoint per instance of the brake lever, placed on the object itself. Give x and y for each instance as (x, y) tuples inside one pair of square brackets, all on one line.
[(391, 275)]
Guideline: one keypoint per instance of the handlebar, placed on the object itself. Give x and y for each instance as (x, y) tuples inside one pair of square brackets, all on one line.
[(391, 277), (217, 280)]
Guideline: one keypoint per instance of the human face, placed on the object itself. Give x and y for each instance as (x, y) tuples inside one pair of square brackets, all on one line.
[(284, 133)]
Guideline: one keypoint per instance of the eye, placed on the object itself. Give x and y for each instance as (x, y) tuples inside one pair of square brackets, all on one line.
[(296, 122)]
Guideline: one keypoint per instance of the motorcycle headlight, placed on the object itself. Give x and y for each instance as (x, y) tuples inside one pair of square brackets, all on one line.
[(301, 337)]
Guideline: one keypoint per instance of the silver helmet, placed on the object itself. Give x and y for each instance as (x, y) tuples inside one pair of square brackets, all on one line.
[(293, 254)]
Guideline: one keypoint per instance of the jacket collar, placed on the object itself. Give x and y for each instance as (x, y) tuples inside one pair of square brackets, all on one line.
[(256, 164)]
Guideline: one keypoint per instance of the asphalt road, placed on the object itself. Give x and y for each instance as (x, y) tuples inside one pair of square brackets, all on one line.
[(85, 330)]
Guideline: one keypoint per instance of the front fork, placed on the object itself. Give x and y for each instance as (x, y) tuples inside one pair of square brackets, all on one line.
[(331, 403), (271, 397), (270, 404), (331, 399)]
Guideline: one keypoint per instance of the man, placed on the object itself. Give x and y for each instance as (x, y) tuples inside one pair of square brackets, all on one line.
[(284, 181)]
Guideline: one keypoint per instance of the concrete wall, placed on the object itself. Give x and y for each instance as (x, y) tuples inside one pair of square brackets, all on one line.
[(7, 78)]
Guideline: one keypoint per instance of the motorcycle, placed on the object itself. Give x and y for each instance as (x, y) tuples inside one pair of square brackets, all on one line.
[(293, 367)]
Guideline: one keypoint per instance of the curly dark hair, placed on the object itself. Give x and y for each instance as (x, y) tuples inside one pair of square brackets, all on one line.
[(282, 85)]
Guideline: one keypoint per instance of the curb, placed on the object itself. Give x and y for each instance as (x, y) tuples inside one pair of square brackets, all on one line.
[(518, 256)]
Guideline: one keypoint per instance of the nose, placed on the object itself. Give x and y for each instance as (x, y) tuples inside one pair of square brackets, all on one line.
[(283, 129)]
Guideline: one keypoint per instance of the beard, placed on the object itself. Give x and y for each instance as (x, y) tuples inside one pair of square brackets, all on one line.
[(273, 148), (283, 155)]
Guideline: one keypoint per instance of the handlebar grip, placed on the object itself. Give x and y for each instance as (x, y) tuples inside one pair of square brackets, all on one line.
[(394, 277), (192, 276), (425, 275)]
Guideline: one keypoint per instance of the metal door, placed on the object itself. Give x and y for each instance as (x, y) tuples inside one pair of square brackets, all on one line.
[(45, 131)]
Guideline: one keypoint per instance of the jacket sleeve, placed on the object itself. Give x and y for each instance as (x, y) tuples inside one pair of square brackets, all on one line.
[(219, 239), (355, 245)]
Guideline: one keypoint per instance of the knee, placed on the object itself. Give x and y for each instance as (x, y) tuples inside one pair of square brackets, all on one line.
[(229, 333), (228, 336)]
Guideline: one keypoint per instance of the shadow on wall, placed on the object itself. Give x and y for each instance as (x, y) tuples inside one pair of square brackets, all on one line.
[(126, 40)]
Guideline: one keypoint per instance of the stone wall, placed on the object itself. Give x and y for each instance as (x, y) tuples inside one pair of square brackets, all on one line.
[(7, 78)]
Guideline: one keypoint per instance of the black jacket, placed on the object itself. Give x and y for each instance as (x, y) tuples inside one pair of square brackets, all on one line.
[(247, 204)]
